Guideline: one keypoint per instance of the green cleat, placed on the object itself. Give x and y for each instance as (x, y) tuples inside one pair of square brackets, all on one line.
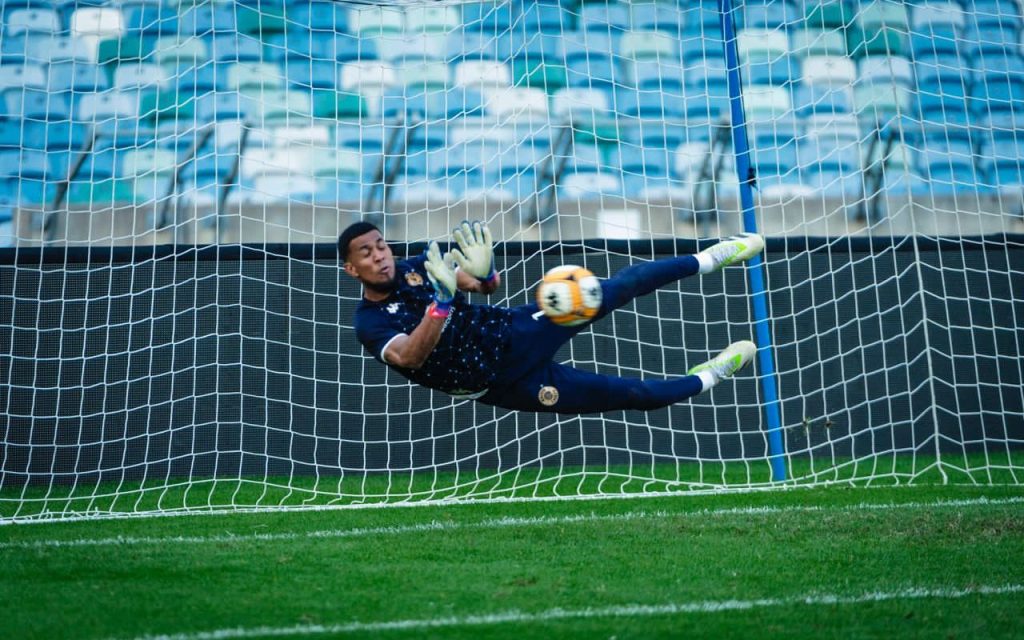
[(736, 249), (732, 359)]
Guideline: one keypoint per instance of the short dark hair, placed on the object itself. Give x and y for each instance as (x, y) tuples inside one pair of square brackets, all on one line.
[(352, 232)]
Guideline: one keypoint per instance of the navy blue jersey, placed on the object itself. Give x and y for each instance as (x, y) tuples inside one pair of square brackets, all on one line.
[(474, 338)]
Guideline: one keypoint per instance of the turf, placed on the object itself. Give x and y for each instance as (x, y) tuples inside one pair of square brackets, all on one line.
[(443, 567)]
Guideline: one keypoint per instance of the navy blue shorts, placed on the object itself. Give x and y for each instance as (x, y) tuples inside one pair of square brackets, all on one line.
[(533, 382)]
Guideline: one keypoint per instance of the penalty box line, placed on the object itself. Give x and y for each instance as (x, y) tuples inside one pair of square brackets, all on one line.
[(498, 523), (620, 611)]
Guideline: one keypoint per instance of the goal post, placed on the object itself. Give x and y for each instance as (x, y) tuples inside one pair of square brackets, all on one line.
[(176, 332)]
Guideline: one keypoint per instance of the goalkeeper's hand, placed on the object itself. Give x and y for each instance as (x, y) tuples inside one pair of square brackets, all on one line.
[(475, 255), (441, 272)]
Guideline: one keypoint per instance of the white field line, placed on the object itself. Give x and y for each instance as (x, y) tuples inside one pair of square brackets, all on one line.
[(632, 610), (498, 523)]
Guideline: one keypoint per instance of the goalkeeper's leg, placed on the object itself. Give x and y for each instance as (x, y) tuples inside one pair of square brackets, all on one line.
[(557, 388), (640, 279)]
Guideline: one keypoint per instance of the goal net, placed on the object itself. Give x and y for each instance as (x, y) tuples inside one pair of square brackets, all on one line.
[(176, 331)]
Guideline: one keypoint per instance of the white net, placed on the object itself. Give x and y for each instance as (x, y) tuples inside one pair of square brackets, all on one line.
[(886, 157)]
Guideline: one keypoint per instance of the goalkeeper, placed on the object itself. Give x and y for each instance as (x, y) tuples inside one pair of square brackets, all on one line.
[(414, 318)]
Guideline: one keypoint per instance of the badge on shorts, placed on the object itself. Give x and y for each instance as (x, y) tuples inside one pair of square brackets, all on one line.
[(413, 279), (548, 396)]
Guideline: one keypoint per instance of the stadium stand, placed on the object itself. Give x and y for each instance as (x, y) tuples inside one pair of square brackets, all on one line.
[(640, 81)]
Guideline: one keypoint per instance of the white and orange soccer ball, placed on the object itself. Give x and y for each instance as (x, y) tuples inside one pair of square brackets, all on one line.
[(569, 295)]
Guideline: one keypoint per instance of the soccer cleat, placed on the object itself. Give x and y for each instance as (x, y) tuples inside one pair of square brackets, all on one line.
[(726, 364), (736, 249)]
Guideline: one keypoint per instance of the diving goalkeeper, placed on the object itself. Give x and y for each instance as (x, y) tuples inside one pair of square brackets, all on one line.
[(414, 318)]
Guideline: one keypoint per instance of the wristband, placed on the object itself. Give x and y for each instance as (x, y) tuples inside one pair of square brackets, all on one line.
[(491, 277), (439, 309)]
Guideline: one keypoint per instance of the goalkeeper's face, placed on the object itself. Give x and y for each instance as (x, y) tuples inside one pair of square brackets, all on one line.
[(371, 262)]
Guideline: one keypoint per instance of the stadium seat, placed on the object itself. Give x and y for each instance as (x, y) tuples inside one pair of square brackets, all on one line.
[(930, 16), (880, 102), (366, 21), (311, 74), (829, 70), (60, 50), (411, 48), (269, 107), (480, 74), (236, 48), (777, 14), (97, 23), (137, 75), (649, 45), (146, 18), (949, 173), (208, 19), (648, 104), (432, 19), (600, 16), (666, 76), (22, 77), (590, 185), (884, 41), (329, 17), (886, 70), (35, 104), (253, 75), (817, 42), (657, 133), (148, 172), (197, 80), (1005, 162), (513, 103), (221, 105), (72, 76), (658, 16), (367, 78), (701, 18), (423, 77), (924, 44), (809, 99), (766, 103), (319, 45), (41, 21), (596, 72), (828, 14), (171, 52), (486, 16)]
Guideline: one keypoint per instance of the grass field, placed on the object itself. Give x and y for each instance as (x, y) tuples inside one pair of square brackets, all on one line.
[(920, 561)]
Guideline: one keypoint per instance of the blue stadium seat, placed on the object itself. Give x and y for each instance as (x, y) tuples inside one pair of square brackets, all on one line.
[(577, 45), (147, 18), (658, 16), (544, 18), (198, 80), (35, 104), (948, 173), (474, 45), (648, 104), (236, 48), (22, 76), (657, 133), (221, 105), (75, 76), (1006, 162), (655, 75), (317, 74), (535, 47), (209, 18), (487, 16), (769, 15), (331, 17), (318, 45), (23, 163), (777, 71), (31, 20), (601, 16), (594, 72), (822, 98), (940, 43), (702, 18), (700, 51), (590, 185)]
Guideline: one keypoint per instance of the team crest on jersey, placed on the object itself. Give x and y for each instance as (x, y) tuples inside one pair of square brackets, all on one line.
[(393, 307), (413, 279), (548, 396)]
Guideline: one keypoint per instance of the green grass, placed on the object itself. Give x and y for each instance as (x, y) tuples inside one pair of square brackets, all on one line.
[(205, 494), (442, 565)]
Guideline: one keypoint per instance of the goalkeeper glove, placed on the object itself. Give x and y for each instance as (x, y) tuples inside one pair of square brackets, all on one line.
[(441, 272), (475, 255)]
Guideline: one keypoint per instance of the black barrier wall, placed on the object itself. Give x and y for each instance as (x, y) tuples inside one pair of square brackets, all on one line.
[(228, 361)]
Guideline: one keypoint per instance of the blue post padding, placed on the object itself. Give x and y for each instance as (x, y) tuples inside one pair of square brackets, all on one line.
[(759, 296)]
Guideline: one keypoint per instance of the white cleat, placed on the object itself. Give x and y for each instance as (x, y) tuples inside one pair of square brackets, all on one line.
[(736, 249), (726, 364)]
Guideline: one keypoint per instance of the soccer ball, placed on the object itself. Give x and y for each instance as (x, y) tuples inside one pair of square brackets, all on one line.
[(569, 295)]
